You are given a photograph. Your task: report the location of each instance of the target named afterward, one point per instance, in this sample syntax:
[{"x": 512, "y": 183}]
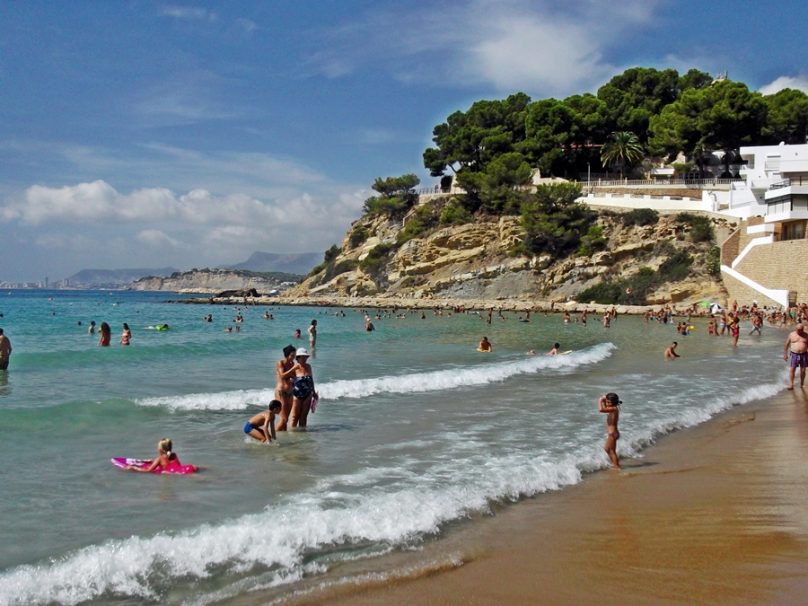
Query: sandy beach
[{"x": 716, "y": 514}]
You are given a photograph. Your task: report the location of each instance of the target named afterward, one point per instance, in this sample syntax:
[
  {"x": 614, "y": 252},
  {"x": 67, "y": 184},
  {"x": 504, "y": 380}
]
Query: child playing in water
[
  {"x": 262, "y": 426},
  {"x": 167, "y": 459}
]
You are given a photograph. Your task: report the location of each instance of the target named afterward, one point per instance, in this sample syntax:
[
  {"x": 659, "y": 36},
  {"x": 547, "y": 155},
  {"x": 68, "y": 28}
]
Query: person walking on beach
[
  {"x": 795, "y": 353},
  {"x": 5, "y": 350},
  {"x": 283, "y": 384},
  {"x": 670, "y": 352},
  {"x": 609, "y": 405}
]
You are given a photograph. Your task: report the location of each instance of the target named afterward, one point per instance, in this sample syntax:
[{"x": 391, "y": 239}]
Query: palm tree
[{"x": 622, "y": 148}]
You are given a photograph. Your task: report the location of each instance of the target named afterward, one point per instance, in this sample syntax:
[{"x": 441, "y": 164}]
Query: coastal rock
[{"x": 479, "y": 261}]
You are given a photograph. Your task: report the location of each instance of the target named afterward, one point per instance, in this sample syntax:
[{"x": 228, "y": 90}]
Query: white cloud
[
  {"x": 544, "y": 46},
  {"x": 158, "y": 238},
  {"x": 187, "y": 13},
  {"x": 797, "y": 83}
]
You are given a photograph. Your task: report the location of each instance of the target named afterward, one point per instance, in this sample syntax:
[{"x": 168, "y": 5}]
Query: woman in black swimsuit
[{"x": 302, "y": 389}]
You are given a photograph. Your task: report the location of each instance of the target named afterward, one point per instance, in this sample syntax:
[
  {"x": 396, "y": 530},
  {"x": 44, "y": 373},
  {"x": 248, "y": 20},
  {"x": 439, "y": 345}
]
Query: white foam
[
  {"x": 410, "y": 383},
  {"x": 395, "y": 512}
]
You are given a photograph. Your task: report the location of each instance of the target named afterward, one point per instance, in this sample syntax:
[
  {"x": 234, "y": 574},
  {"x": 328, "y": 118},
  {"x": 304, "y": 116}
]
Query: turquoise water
[{"x": 415, "y": 430}]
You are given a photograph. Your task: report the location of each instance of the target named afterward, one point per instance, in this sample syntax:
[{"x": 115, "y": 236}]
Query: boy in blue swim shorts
[{"x": 262, "y": 426}]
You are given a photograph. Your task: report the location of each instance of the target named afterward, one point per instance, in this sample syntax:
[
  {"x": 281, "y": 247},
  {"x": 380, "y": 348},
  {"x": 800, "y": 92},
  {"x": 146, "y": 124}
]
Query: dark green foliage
[
  {"x": 397, "y": 195},
  {"x": 713, "y": 261},
  {"x": 418, "y": 223},
  {"x": 787, "y": 118},
  {"x": 496, "y": 188},
  {"x": 376, "y": 258},
  {"x": 722, "y": 116},
  {"x": 592, "y": 241},
  {"x": 554, "y": 221},
  {"x": 701, "y": 228},
  {"x": 454, "y": 213},
  {"x": 358, "y": 236},
  {"x": 331, "y": 253},
  {"x": 634, "y": 290},
  {"x": 675, "y": 267},
  {"x": 640, "y": 216},
  {"x": 603, "y": 292}
]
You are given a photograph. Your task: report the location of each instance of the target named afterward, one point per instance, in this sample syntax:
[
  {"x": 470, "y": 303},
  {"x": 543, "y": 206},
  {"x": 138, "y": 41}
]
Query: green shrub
[
  {"x": 342, "y": 267},
  {"x": 418, "y": 223},
  {"x": 714, "y": 261},
  {"x": 358, "y": 236},
  {"x": 675, "y": 267},
  {"x": 640, "y": 216},
  {"x": 454, "y": 213},
  {"x": 376, "y": 258},
  {"x": 701, "y": 228},
  {"x": 592, "y": 241},
  {"x": 604, "y": 292}
]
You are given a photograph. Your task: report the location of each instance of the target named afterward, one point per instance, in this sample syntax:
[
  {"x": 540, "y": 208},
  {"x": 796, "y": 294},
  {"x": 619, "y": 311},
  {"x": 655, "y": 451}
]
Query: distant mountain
[
  {"x": 113, "y": 278},
  {"x": 300, "y": 263}
]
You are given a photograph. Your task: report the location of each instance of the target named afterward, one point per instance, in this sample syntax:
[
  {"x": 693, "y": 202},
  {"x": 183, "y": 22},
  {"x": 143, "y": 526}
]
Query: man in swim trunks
[
  {"x": 609, "y": 404},
  {"x": 795, "y": 353},
  {"x": 262, "y": 426},
  {"x": 5, "y": 351}
]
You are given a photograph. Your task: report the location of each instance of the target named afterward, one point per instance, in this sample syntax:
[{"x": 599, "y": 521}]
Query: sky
[{"x": 190, "y": 134}]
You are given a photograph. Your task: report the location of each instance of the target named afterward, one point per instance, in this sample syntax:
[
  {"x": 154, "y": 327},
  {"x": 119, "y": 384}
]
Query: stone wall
[
  {"x": 780, "y": 265},
  {"x": 744, "y": 295}
]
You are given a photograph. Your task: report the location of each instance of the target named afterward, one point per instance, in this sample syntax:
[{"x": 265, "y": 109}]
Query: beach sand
[{"x": 717, "y": 514}]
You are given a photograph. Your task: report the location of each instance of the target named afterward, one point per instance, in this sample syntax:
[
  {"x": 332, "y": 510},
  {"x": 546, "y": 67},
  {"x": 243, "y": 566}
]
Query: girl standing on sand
[{"x": 283, "y": 385}]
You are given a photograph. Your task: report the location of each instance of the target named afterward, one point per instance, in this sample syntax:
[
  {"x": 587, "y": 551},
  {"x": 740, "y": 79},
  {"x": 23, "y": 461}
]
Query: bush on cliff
[
  {"x": 553, "y": 221},
  {"x": 396, "y": 195},
  {"x": 701, "y": 229}
]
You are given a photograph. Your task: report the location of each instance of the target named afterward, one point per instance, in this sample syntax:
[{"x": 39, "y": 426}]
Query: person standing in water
[
  {"x": 5, "y": 350},
  {"x": 313, "y": 334},
  {"x": 126, "y": 335},
  {"x": 609, "y": 404},
  {"x": 106, "y": 335},
  {"x": 670, "y": 352},
  {"x": 283, "y": 385},
  {"x": 302, "y": 388},
  {"x": 485, "y": 345}
]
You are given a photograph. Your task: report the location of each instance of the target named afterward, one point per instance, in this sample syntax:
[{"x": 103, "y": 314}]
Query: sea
[{"x": 416, "y": 436}]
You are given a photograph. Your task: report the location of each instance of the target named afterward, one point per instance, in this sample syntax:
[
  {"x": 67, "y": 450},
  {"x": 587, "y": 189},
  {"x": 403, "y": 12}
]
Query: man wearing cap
[
  {"x": 795, "y": 353},
  {"x": 609, "y": 404}
]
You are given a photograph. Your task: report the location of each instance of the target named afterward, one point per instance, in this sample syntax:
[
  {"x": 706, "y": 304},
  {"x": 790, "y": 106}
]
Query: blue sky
[{"x": 145, "y": 134}]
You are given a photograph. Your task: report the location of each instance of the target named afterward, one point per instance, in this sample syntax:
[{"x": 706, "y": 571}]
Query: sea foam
[
  {"x": 418, "y": 382},
  {"x": 275, "y": 546}
]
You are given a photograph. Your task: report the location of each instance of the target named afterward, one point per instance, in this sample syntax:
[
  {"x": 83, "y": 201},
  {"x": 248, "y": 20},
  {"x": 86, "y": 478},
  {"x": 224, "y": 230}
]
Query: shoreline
[
  {"x": 404, "y": 303},
  {"x": 712, "y": 514}
]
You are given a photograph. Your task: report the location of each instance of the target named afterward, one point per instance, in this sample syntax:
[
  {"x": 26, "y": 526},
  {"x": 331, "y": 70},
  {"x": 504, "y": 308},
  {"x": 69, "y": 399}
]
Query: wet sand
[{"x": 717, "y": 514}]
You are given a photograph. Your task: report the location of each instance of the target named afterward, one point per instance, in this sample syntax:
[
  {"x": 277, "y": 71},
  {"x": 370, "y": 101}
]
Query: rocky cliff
[
  {"x": 477, "y": 261},
  {"x": 216, "y": 280}
]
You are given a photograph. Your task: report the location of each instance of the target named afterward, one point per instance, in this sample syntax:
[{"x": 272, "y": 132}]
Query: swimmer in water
[
  {"x": 485, "y": 345},
  {"x": 670, "y": 352},
  {"x": 554, "y": 351}
]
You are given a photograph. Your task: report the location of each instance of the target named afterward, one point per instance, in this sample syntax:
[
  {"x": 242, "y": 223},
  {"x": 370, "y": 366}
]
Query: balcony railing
[{"x": 781, "y": 184}]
